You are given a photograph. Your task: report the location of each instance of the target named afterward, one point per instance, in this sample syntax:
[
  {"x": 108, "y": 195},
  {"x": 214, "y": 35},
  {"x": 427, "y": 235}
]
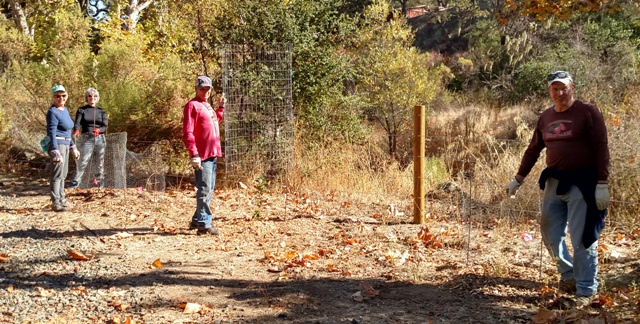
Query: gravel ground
[
  {"x": 296, "y": 258},
  {"x": 41, "y": 279}
]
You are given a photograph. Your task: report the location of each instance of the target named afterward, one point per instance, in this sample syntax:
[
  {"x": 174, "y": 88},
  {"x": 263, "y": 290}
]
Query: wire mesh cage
[
  {"x": 146, "y": 170},
  {"x": 114, "y": 164},
  {"x": 124, "y": 168},
  {"x": 258, "y": 121}
]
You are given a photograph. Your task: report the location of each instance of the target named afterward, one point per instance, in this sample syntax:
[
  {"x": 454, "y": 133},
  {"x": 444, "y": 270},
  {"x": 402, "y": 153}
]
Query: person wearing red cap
[
  {"x": 576, "y": 194},
  {"x": 201, "y": 137}
]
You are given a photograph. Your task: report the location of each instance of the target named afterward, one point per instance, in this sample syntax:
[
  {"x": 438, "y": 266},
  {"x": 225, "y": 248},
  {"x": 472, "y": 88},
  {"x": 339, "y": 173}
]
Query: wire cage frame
[
  {"x": 114, "y": 162},
  {"x": 258, "y": 120},
  {"x": 124, "y": 168}
]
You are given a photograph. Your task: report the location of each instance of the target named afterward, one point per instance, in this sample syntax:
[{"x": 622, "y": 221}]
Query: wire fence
[
  {"x": 123, "y": 168},
  {"x": 470, "y": 201},
  {"x": 478, "y": 178},
  {"x": 258, "y": 121}
]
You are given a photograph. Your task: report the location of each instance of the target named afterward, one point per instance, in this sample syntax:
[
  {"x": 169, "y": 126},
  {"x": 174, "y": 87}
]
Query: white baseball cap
[{"x": 559, "y": 76}]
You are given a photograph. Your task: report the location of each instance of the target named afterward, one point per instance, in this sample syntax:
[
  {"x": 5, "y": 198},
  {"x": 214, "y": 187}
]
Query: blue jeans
[
  {"x": 557, "y": 212},
  {"x": 90, "y": 144},
  {"x": 58, "y": 174},
  {"x": 205, "y": 183}
]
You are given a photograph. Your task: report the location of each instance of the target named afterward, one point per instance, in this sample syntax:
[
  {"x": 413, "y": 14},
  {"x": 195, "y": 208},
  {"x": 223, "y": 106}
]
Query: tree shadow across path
[{"x": 313, "y": 300}]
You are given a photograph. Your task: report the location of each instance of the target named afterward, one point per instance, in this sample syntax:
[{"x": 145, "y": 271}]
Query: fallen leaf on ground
[
  {"x": 204, "y": 310},
  {"x": 310, "y": 256},
  {"x": 157, "y": 264},
  {"x": 544, "y": 316},
  {"x": 369, "y": 291},
  {"x": 79, "y": 290},
  {"x": 4, "y": 257},
  {"x": 41, "y": 292},
  {"x": 116, "y": 320},
  {"x": 605, "y": 300},
  {"x": 119, "y": 305},
  {"x": 323, "y": 252},
  {"x": 191, "y": 308},
  {"x": 121, "y": 235},
  {"x": 350, "y": 241},
  {"x": 602, "y": 247},
  {"x": 397, "y": 257},
  {"x": 78, "y": 256},
  {"x": 290, "y": 255},
  {"x": 332, "y": 268}
]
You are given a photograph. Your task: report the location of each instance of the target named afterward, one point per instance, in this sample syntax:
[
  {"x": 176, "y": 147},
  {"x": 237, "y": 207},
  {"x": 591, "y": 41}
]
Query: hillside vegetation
[{"x": 480, "y": 70}]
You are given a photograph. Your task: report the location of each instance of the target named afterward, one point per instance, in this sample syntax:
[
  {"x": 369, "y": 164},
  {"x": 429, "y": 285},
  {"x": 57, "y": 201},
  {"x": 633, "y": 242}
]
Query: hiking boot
[
  {"x": 567, "y": 286},
  {"x": 65, "y": 203},
  {"x": 584, "y": 301},
  {"x": 193, "y": 226},
  {"x": 58, "y": 208},
  {"x": 208, "y": 231}
]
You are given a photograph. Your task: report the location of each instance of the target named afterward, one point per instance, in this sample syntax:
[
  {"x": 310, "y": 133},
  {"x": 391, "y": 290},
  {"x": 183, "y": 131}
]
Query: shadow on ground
[{"x": 326, "y": 300}]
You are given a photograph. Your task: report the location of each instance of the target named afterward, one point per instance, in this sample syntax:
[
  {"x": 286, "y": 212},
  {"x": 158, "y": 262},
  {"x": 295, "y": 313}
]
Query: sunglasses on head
[{"x": 558, "y": 75}]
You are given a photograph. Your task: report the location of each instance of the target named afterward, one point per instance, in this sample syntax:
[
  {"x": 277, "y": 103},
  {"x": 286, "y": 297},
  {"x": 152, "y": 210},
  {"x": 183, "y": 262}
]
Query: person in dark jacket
[
  {"x": 576, "y": 193},
  {"x": 91, "y": 125},
  {"x": 60, "y": 147}
]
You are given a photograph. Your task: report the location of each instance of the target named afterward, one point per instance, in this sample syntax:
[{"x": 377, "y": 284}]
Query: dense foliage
[{"x": 353, "y": 62}]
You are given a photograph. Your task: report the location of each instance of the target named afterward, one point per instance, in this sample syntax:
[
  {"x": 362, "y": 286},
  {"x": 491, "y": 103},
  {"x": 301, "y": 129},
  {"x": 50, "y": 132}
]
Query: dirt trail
[{"x": 300, "y": 258}]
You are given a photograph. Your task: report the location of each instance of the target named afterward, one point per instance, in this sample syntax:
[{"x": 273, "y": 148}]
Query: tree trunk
[
  {"x": 203, "y": 57},
  {"x": 394, "y": 147},
  {"x": 392, "y": 137},
  {"x": 19, "y": 18},
  {"x": 132, "y": 11},
  {"x": 390, "y": 140}
]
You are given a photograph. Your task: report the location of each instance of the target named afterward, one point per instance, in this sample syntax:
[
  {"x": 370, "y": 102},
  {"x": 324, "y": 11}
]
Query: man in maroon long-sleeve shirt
[
  {"x": 201, "y": 136},
  {"x": 574, "y": 182}
]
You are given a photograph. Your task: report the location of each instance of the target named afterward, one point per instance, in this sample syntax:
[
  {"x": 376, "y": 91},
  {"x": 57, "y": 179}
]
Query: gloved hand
[
  {"x": 96, "y": 131},
  {"x": 56, "y": 156},
  {"x": 513, "y": 186},
  {"x": 75, "y": 152},
  {"x": 602, "y": 196},
  {"x": 223, "y": 101},
  {"x": 196, "y": 163}
]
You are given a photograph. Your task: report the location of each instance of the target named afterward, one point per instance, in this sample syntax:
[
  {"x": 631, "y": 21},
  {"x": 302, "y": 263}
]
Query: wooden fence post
[{"x": 418, "y": 163}]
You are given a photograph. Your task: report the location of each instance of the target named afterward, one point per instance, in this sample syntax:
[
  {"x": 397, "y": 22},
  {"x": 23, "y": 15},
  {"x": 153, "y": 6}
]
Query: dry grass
[
  {"x": 479, "y": 150},
  {"x": 624, "y": 181},
  {"x": 359, "y": 169}
]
